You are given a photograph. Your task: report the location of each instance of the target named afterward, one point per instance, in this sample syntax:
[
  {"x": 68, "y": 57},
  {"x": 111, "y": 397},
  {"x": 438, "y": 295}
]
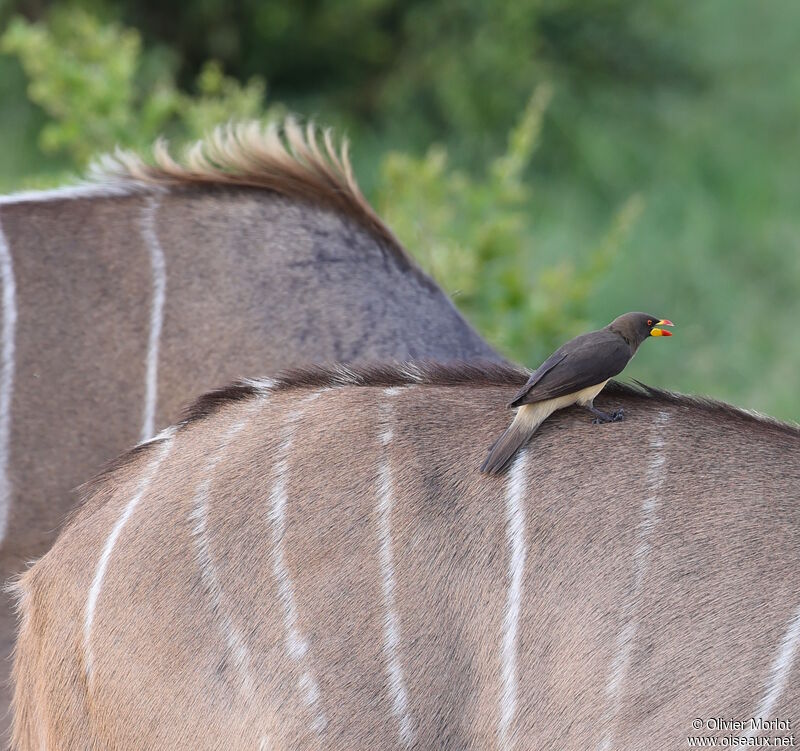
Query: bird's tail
[{"x": 528, "y": 418}]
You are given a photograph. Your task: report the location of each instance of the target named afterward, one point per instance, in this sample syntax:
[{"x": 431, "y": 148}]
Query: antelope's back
[
  {"x": 124, "y": 300},
  {"x": 322, "y": 566},
  {"x": 231, "y": 583}
]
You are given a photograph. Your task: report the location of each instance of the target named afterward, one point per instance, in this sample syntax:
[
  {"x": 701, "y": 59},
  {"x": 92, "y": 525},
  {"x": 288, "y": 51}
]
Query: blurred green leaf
[
  {"x": 653, "y": 169},
  {"x": 92, "y": 80},
  {"x": 476, "y": 237}
]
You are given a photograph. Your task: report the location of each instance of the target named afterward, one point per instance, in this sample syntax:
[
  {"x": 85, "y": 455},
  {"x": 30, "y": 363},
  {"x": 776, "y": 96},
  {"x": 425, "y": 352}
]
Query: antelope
[
  {"x": 315, "y": 562},
  {"x": 126, "y": 297}
]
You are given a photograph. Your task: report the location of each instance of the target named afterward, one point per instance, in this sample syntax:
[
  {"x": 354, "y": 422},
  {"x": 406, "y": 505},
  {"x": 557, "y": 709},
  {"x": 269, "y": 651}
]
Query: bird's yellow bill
[{"x": 661, "y": 332}]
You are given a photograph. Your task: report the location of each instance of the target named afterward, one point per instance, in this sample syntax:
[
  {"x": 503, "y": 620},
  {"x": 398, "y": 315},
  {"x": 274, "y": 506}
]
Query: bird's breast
[{"x": 585, "y": 396}]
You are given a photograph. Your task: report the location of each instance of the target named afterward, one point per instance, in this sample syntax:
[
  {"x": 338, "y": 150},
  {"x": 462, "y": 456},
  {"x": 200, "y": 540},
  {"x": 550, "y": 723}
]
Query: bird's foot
[{"x": 603, "y": 417}]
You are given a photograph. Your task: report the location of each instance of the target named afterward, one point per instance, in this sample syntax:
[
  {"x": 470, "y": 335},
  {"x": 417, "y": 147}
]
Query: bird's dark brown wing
[
  {"x": 538, "y": 374},
  {"x": 585, "y": 361}
]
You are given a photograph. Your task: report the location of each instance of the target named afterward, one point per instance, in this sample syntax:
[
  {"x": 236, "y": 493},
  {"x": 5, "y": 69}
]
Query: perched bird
[{"x": 574, "y": 374}]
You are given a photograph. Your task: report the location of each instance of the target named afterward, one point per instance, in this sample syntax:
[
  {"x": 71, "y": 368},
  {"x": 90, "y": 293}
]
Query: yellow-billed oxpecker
[{"x": 574, "y": 374}]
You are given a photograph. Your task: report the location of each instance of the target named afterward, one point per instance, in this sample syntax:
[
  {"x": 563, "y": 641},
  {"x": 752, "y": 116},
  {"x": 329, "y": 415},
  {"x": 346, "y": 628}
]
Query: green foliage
[
  {"x": 219, "y": 99},
  {"x": 82, "y": 74},
  {"x": 99, "y": 91},
  {"x": 652, "y": 169},
  {"x": 475, "y": 235},
  {"x": 303, "y": 45}
]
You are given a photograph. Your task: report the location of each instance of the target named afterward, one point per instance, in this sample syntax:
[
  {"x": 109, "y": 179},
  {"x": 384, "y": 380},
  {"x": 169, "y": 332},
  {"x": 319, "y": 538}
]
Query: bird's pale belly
[
  {"x": 532, "y": 415},
  {"x": 582, "y": 397},
  {"x": 585, "y": 396}
]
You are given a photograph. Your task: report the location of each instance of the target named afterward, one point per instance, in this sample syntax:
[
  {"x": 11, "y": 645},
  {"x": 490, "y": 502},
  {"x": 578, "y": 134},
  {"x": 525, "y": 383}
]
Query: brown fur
[
  {"x": 281, "y": 157},
  {"x": 294, "y": 269},
  {"x": 710, "y": 607}
]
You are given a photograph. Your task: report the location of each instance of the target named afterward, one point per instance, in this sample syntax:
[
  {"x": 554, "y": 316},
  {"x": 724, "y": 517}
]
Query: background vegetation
[{"x": 552, "y": 162}]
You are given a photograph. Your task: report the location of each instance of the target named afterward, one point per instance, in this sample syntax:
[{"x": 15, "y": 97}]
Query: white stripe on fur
[
  {"x": 6, "y": 377},
  {"x": 159, "y": 455},
  {"x": 107, "y": 189},
  {"x": 158, "y": 269},
  {"x": 263, "y": 386},
  {"x": 641, "y": 560},
  {"x": 391, "y": 622},
  {"x": 779, "y": 672},
  {"x": 220, "y": 610},
  {"x": 296, "y": 643},
  {"x": 515, "y": 537}
]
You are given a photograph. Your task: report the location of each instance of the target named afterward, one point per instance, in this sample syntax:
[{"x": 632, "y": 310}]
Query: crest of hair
[{"x": 293, "y": 161}]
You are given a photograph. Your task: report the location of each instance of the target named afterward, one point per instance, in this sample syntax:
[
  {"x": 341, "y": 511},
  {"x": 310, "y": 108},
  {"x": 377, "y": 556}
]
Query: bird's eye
[{"x": 649, "y": 323}]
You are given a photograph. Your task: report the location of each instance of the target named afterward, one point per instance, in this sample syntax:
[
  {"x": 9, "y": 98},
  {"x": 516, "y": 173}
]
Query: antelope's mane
[
  {"x": 460, "y": 373},
  {"x": 296, "y": 162},
  {"x": 456, "y": 373},
  {"x": 470, "y": 375}
]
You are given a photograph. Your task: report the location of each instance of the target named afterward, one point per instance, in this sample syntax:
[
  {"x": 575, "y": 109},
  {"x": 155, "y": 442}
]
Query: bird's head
[{"x": 636, "y": 327}]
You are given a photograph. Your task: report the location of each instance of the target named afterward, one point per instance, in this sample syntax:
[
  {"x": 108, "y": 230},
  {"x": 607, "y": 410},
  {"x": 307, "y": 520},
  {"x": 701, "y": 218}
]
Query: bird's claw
[{"x": 603, "y": 418}]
